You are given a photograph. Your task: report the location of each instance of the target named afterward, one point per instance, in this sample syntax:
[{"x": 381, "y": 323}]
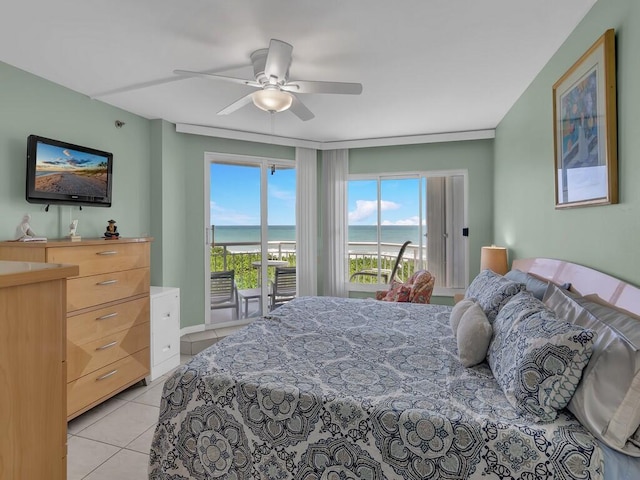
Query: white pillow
[
  {"x": 607, "y": 400},
  {"x": 457, "y": 312},
  {"x": 474, "y": 335}
]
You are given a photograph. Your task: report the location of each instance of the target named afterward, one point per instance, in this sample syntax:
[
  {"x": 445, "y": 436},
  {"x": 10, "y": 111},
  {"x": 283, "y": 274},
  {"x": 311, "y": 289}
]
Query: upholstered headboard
[{"x": 585, "y": 281}]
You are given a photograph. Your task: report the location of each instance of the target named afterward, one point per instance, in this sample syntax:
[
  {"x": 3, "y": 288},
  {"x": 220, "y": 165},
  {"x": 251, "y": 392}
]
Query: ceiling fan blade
[
  {"x": 278, "y": 60},
  {"x": 236, "y": 105},
  {"x": 300, "y": 110},
  {"x": 308, "y": 86},
  {"x": 212, "y": 76}
]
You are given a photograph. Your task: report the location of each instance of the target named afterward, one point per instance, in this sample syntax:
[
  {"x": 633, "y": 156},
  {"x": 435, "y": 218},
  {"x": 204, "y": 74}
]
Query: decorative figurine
[
  {"x": 73, "y": 228},
  {"x": 24, "y": 229},
  {"x": 112, "y": 231}
]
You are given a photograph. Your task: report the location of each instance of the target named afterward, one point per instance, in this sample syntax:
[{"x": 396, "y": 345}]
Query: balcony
[{"x": 241, "y": 256}]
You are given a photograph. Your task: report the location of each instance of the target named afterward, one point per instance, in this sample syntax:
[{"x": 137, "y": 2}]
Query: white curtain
[
  {"x": 445, "y": 221},
  {"x": 335, "y": 165},
  {"x": 436, "y": 229},
  {"x": 307, "y": 221}
]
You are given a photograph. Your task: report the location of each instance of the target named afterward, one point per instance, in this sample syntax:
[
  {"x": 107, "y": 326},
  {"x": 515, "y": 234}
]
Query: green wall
[
  {"x": 158, "y": 187},
  {"x": 178, "y": 211},
  {"x": 475, "y": 156},
  {"x": 32, "y": 105},
  {"x": 603, "y": 237}
]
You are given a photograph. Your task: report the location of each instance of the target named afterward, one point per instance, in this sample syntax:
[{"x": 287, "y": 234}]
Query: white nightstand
[{"x": 165, "y": 330}]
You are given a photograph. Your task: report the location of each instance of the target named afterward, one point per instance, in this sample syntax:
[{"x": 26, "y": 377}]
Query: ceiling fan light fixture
[{"x": 272, "y": 100}]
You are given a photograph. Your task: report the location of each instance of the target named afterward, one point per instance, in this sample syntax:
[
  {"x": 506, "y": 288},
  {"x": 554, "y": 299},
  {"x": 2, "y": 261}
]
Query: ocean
[{"x": 394, "y": 234}]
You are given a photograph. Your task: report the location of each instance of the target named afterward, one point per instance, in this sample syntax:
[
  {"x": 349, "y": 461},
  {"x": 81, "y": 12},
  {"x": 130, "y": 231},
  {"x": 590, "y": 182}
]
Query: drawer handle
[
  {"x": 167, "y": 348},
  {"x": 110, "y": 315},
  {"x": 108, "y": 345},
  {"x": 107, "y": 252},
  {"x": 107, "y": 282},
  {"x": 107, "y": 375}
]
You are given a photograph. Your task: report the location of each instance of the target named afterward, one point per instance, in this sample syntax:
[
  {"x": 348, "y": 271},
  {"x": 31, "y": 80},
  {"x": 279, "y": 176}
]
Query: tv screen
[{"x": 63, "y": 173}]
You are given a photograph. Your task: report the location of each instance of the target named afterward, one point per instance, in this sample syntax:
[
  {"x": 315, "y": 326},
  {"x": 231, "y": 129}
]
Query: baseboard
[{"x": 192, "y": 329}]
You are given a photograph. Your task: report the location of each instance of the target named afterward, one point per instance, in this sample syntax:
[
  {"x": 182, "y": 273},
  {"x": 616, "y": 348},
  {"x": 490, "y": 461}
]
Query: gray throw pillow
[
  {"x": 607, "y": 401},
  {"x": 474, "y": 335},
  {"x": 456, "y": 314}
]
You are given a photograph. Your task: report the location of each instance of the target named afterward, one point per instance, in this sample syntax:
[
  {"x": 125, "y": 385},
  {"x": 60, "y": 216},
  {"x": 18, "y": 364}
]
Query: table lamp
[{"x": 495, "y": 259}]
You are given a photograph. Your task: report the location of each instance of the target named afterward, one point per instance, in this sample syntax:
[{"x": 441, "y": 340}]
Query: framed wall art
[{"x": 584, "y": 129}]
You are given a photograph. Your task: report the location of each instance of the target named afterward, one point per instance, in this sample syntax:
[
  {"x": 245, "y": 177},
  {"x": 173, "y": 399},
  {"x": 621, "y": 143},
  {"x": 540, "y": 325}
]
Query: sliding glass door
[
  {"x": 251, "y": 214},
  {"x": 427, "y": 209}
]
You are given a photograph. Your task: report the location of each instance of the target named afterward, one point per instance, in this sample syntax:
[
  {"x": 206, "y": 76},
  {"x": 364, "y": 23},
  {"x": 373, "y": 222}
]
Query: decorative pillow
[
  {"x": 519, "y": 307},
  {"x": 399, "y": 293},
  {"x": 522, "y": 305},
  {"x": 533, "y": 284},
  {"x": 538, "y": 360},
  {"x": 492, "y": 292},
  {"x": 456, "y": 314},
  {"x": 474, "y": 335},
  {"x": 607, "y": 401},
  {"x": 422, "y": 287}
]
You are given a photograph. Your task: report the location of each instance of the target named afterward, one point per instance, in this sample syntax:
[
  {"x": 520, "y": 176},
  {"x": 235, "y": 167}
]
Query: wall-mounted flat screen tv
[{"x": 63, "y": 173}]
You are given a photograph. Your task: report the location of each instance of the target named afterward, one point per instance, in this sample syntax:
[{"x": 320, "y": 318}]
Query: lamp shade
[
  {"x": 272, "y": 100},
  {"x": 495, "y": 259}
]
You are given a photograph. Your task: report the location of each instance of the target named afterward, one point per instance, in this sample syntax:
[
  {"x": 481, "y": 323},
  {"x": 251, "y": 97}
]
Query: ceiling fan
[{"x": 276, "y": 92}]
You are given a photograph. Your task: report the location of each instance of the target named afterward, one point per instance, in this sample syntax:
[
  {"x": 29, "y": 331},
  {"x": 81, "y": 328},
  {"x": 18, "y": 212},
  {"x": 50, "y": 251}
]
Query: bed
[{"x": 337, "y": 388}]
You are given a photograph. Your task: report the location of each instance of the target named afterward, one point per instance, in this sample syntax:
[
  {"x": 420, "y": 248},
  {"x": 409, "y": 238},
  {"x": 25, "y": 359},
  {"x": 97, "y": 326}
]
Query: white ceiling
[{"x": 426, "y": 66}]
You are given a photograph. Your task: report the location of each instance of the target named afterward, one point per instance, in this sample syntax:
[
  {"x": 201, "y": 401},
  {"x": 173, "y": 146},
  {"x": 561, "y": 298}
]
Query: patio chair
[
  {"x": 224, "y": 293},
  {"x": 284, "y": 287},
  {"x": 388, "y": 275}
]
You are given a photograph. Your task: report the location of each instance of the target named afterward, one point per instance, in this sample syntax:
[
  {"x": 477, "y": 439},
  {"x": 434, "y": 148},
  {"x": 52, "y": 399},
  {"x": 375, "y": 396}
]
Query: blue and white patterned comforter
[{"x": 331, "y": 388}]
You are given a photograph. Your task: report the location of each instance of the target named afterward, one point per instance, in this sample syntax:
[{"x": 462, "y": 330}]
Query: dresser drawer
[
  {"x": 97, "y": 259},
  {"x": 83, "y": 359},
  {"x": 97, "y": 386},
  {"x": 99, "y": 323},
  {"x": 83, "y": 292}
]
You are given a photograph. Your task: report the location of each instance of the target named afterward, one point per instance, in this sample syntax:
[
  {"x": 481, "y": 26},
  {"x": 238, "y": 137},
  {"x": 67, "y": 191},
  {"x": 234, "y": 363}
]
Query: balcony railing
[{"x": 241, "y": 256}]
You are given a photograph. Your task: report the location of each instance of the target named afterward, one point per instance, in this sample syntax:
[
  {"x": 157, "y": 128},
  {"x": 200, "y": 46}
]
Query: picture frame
[{"x": 585, "y": 129}]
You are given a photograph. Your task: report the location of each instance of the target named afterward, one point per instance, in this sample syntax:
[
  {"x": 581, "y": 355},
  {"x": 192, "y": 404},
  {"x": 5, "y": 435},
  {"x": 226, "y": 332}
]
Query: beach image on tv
[{"x": 70, "y": 172}]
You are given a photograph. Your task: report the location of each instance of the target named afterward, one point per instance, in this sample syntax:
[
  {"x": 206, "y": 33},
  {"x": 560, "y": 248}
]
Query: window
[{"x": 386, "y": 210}]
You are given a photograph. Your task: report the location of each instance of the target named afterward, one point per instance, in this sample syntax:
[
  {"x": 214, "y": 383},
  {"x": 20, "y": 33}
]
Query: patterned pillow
[
  {"x": 422, "y": 287},
  {"x": 519, "y": 307},
  {"x": 492, "y": 292},
  {"x": 399, "y": 292},
  {"x": 538, "y": 359}
]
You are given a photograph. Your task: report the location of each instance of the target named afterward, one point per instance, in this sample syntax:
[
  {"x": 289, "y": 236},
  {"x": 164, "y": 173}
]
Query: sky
[
  {"x": 235, "y": 195},
  {"x": 52, "y": 156},
  {"x": 235, "y": 198}
]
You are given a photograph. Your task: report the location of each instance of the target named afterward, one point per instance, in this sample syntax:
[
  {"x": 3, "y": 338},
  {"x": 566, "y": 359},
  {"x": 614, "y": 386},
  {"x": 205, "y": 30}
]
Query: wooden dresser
[
  {"x": 108, "y": 331},
  {"x": 33, "y": 418}
]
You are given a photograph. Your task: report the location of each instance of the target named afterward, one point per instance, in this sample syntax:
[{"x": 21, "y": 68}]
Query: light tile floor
[{"x": 112, "y": 440}]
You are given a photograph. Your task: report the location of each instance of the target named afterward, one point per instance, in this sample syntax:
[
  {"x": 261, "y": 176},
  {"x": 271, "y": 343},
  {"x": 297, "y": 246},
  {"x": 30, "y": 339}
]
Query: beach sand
[{"x": 73, "y": 184}]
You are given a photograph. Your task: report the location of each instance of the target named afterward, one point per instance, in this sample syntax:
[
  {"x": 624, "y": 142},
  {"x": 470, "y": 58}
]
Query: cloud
[
  {"x": 367, "y": 208},
  {"x": 286, "y": 195},
  {"x": 78, "y": 162},
  {"x": 407, "y": 221},
  {"x": 224, "y": 216},
  {"x": 66, "y": 152}
]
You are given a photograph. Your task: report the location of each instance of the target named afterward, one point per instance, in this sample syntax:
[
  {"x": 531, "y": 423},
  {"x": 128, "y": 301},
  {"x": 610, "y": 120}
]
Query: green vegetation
[{"x": 246, "y": 274}]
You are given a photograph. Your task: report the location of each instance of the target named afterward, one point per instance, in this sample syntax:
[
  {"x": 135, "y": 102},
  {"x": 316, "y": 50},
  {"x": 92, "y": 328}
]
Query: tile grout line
[{"x": 159, "y": 381}]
